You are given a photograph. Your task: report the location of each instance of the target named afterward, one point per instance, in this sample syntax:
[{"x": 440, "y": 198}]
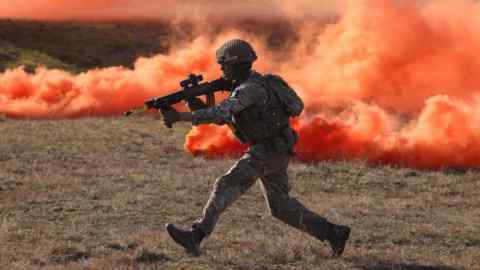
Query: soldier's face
[{"x": 228, "y": 71}]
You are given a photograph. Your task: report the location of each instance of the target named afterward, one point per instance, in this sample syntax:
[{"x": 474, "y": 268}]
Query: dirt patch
[{"x": 66, "y": 255}]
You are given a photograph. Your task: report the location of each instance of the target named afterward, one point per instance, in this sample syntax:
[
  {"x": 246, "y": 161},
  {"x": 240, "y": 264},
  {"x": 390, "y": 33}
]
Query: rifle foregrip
[{"x": 211, "y": 99}]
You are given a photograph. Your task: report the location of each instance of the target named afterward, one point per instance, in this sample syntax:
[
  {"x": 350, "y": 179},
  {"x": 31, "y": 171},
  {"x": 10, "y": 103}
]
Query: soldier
[{"x": 258, "y": 118}]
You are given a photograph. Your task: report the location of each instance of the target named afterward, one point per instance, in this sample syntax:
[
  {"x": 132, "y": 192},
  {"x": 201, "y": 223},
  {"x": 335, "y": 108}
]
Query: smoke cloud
[
  {"x": 389, "y": 82},
  {"x": 162, "y": 9}
]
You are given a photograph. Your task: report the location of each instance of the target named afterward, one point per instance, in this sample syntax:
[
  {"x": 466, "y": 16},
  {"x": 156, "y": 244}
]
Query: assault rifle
[{"x": 190, "y": 89}]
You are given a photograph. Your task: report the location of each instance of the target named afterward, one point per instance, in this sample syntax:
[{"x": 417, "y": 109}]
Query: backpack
[{"x": 291, "y": 102}]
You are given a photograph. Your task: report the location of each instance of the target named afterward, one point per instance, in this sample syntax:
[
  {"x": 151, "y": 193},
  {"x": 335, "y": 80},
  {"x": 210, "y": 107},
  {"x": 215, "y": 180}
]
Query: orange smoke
[
  {"x": 212, "y": 141},
  {"x": 101, "y": 92},
  {"x": 161, "y": 9},
  {"x": 390, "y": 82},
  {"x": 393, "y": 82},
  {"x": 58, "y": 9}
]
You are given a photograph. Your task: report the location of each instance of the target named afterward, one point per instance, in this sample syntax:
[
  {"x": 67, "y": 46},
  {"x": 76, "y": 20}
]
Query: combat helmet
[{"x": 236, "y": 51}]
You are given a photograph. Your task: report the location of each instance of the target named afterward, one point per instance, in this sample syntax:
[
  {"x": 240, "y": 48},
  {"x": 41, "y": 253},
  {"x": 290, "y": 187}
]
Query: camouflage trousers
[{"x": 271, "y": 168}]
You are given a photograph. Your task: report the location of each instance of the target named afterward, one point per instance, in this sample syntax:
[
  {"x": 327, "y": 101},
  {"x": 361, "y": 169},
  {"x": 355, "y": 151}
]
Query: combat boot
[
  {"x": 189, "y": 239},
  {"x": 338, "y": 239}
]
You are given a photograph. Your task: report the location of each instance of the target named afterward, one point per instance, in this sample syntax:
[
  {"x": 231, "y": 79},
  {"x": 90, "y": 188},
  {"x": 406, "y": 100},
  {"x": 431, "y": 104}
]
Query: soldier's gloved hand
[
  {"x": 170, "y": 116},
  {"x": 195, "y": 104}
]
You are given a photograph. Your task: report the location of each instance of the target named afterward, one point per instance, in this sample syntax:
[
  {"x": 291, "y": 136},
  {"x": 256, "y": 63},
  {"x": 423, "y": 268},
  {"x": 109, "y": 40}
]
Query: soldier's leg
[
  {"x": 226, "y": 190},
  {"x": 291, "y": 211},
  {"x": 288, "y": 209}
]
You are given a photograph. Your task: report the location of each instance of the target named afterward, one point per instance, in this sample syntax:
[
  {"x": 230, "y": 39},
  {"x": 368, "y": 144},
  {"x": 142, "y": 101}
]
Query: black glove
[
  {"x": 170, "y": 116},
  {"x": 195, "y": 104}
]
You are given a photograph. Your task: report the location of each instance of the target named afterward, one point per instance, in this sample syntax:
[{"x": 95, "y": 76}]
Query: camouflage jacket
[
  {"x": 251, "y": 111},
  {"x": 245, "y": 95}
]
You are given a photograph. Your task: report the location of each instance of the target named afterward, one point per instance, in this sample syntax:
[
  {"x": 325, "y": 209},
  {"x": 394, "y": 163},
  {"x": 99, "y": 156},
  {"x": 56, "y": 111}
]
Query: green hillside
[
  {"x": 11, "y": 57},
  {"x": 78, "y": 46}
]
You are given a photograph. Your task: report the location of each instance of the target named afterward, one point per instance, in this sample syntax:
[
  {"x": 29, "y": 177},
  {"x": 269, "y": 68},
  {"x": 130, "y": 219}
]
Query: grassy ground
[{"x": 95, "y": 194}]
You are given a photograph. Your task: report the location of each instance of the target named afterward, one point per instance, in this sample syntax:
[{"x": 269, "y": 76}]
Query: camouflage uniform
[
  {"x": 258, "y": 115},
  {"x": 264, "y": 159}
]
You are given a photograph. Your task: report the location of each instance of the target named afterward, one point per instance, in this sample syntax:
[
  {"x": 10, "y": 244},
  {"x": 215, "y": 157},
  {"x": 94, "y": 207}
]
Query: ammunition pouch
[
  {"x": 284, "y": 142},
  {"x": 258, "y": 124},
  {"x": 266, "y": 122}
]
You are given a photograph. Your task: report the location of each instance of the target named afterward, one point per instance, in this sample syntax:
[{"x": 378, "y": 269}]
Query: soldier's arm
[{"x": 239, "y": 100}]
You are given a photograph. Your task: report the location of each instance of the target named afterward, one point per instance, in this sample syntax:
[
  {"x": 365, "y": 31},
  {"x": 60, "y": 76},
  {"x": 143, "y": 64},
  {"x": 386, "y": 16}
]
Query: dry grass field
[{"x": 95, "y": 194}]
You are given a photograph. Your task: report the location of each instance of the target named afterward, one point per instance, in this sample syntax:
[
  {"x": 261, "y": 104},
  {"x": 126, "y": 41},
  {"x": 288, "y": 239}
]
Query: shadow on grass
[
  {"x": 148, "y": 257},
  {"x": 376, "y": 264}
]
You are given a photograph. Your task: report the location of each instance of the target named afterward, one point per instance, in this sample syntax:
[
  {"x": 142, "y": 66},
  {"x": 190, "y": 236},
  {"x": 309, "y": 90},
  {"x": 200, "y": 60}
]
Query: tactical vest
[{"x": 267, "y": 119}]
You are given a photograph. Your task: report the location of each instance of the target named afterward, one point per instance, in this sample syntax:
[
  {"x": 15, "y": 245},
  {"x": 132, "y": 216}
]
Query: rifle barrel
[{"x": 206, "y": 88}]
